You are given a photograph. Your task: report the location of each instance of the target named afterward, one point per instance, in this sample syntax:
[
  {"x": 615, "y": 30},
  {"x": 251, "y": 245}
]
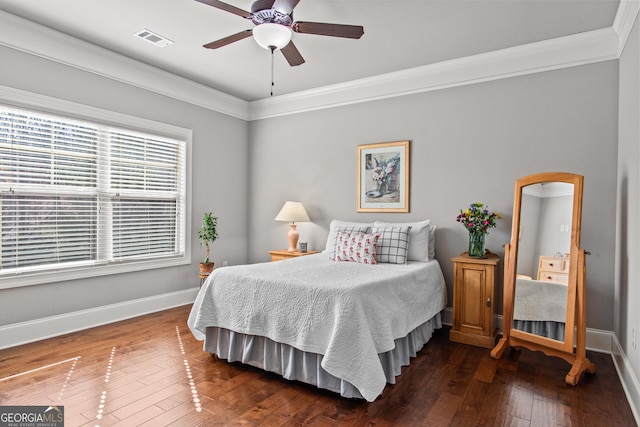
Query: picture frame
[{"x": 383, "y": 177}]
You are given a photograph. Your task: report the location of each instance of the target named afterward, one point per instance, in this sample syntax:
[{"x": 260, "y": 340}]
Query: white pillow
[
  {"x": 432, "y": 242},
  {"x": 337, "y": 225},
  {"x": 393, "y": 244},
  {"x": 418, "y": 238},
  {"x": 356, "y": 247}
]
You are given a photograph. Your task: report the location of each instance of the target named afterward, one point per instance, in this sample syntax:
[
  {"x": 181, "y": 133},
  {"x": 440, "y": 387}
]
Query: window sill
[{"x": 67, "y": 274}]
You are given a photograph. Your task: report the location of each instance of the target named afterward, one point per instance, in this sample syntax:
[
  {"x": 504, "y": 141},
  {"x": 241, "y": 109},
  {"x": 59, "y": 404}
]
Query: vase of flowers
[
  {"x": 477, "y": 220},
  {"x": 476, "y": 245}
]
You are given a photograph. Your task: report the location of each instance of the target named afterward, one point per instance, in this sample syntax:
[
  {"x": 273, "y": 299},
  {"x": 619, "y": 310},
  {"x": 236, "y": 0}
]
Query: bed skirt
[
  {"x": 298, "y": 365},
  {"x": 549, "y": 329}
]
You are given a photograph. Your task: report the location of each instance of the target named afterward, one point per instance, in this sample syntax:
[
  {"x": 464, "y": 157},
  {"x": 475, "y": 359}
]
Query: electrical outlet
[
  {"x": 225, "y": 263},
  {"x": 633, "y": 339}
]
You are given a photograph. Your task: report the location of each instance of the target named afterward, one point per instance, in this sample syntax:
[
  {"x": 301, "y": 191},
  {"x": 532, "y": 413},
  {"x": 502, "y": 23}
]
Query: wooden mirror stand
[{"x": 535, "y": 314}]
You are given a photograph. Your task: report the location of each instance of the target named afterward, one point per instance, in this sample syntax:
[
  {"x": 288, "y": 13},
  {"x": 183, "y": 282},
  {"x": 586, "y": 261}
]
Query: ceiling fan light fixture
[{"x": 270, "y": 34}]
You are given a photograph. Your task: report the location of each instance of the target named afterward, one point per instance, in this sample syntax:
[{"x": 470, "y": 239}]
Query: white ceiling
[{"x": 398, "y": 35}]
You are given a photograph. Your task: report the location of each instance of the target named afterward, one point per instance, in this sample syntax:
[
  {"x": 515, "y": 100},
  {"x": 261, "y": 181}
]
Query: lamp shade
[
  {"x": 270, "y": 34},
  {"x": 292, "y": 212}
]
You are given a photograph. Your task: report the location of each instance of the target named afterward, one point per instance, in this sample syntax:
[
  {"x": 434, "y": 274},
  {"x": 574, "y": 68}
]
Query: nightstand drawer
[
  {"x": 552, "y": 264},
  {"x": 549, "y": 276}
]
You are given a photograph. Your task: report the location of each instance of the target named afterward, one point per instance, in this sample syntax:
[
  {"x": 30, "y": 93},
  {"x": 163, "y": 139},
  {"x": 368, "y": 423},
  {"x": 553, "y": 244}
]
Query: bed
[
  {"x": 540, "y": 308},
  {"x": 343, "y": 326}
]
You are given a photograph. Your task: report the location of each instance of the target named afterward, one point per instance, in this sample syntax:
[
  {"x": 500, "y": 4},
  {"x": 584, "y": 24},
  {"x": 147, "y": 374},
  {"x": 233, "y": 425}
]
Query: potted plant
[{"x": 207, "y": 234}]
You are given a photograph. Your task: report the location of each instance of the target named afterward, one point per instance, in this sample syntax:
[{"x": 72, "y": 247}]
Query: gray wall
[
  {"x": 468, "y": 144},
  {"x": 628, "y": 230},
  {"x": 554, "y": 212},
  {"x": 220, "y": 145}
]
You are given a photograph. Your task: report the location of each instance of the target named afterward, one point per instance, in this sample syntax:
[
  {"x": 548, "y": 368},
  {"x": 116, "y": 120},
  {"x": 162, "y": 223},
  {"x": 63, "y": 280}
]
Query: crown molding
[
  {"x": 569, "y": 51},
  {"x": 625, "y": 18},
  {"x": 26, "y": 36}
]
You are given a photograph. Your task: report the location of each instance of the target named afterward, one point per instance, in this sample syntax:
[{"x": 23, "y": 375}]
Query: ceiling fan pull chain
[{"x": 272, "y": 83}]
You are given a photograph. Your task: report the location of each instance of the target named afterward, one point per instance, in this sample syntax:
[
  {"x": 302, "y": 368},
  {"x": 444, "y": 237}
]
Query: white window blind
[{"x": 75, "y": 193}]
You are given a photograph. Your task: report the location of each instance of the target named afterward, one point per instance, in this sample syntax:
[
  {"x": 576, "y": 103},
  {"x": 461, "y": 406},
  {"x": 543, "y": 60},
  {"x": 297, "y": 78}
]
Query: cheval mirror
[{"x": 544, "y": 272}]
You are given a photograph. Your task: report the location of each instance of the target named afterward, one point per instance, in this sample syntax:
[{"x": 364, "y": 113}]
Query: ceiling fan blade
[
  {"x": 229, "y": 39},
  {"x": 227, "y": 7},
  {"x": 285, "y": 6},
  {"x": 334, "y": 30},
  {"x": 292, "y": 55}
]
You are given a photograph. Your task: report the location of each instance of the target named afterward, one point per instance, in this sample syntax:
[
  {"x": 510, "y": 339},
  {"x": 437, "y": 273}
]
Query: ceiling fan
[{"x": 274, "y": 26}]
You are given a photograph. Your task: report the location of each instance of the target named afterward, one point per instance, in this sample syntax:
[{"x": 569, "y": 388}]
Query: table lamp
[{"x": 292, "y": 212}]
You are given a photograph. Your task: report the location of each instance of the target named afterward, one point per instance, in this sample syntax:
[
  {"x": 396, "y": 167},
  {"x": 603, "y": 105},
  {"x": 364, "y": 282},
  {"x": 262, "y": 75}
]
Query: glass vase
[{"x": 476, "y": 245}]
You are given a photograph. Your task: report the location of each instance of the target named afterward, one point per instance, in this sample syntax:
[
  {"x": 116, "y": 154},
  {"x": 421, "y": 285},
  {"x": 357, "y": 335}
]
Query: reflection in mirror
[{"x": 541, "y": 290}]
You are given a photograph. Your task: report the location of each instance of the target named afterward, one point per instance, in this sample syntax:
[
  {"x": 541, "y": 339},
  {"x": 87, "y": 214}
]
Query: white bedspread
[
  {"x": 539, "y": 300},
  {"x": 346, "y": 311}
]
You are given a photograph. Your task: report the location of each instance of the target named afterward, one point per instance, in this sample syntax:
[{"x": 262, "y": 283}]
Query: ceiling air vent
[{"x": 154, "y": 38}]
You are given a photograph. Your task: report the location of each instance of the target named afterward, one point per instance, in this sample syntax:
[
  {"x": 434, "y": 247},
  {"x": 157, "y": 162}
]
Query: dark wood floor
[{"x": 151, "y": 371}]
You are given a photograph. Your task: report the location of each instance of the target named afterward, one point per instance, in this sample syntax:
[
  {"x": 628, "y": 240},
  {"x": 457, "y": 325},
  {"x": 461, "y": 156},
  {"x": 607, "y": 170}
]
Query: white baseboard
[
  {"x": 39, "y": 329},
  {"x": 627, "y": 377}
]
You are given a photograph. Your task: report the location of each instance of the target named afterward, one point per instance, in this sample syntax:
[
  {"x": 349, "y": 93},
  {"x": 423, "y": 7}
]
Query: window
[{"x": 76, "y": 194}]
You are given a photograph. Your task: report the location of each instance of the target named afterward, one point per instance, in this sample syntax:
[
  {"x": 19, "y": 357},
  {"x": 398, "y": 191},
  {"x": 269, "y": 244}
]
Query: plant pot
[{"x": 206, "y": 268}]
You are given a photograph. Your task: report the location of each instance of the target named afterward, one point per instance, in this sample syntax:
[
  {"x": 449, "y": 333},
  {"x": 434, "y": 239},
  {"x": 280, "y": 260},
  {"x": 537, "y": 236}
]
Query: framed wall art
[{"x": 383, "y": 177}]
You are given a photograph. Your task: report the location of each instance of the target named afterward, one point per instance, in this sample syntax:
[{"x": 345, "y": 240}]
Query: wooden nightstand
[
  {"x": 202, "y": 278},
  {"x": 473, "y": 294},
  {"x": 280, "y": 254}
]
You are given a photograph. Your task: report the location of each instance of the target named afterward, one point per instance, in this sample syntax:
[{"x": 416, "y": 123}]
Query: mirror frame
[{"x": 575, "y": 311}]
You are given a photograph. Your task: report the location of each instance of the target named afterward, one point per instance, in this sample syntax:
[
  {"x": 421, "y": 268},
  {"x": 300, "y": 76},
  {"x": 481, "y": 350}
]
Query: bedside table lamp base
[{"x": 293, "y": 238}]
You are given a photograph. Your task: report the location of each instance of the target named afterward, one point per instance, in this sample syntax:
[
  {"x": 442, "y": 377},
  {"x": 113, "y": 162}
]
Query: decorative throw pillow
[
  {"x": 356, "y": 247},
  {"x": 419, "y": 242},
  {"x": 336, "y": 226},
  {"x": 393, "y": 244}
]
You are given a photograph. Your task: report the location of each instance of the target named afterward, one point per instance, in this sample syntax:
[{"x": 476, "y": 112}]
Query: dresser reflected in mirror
[{"x": 544, "y": 282}]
